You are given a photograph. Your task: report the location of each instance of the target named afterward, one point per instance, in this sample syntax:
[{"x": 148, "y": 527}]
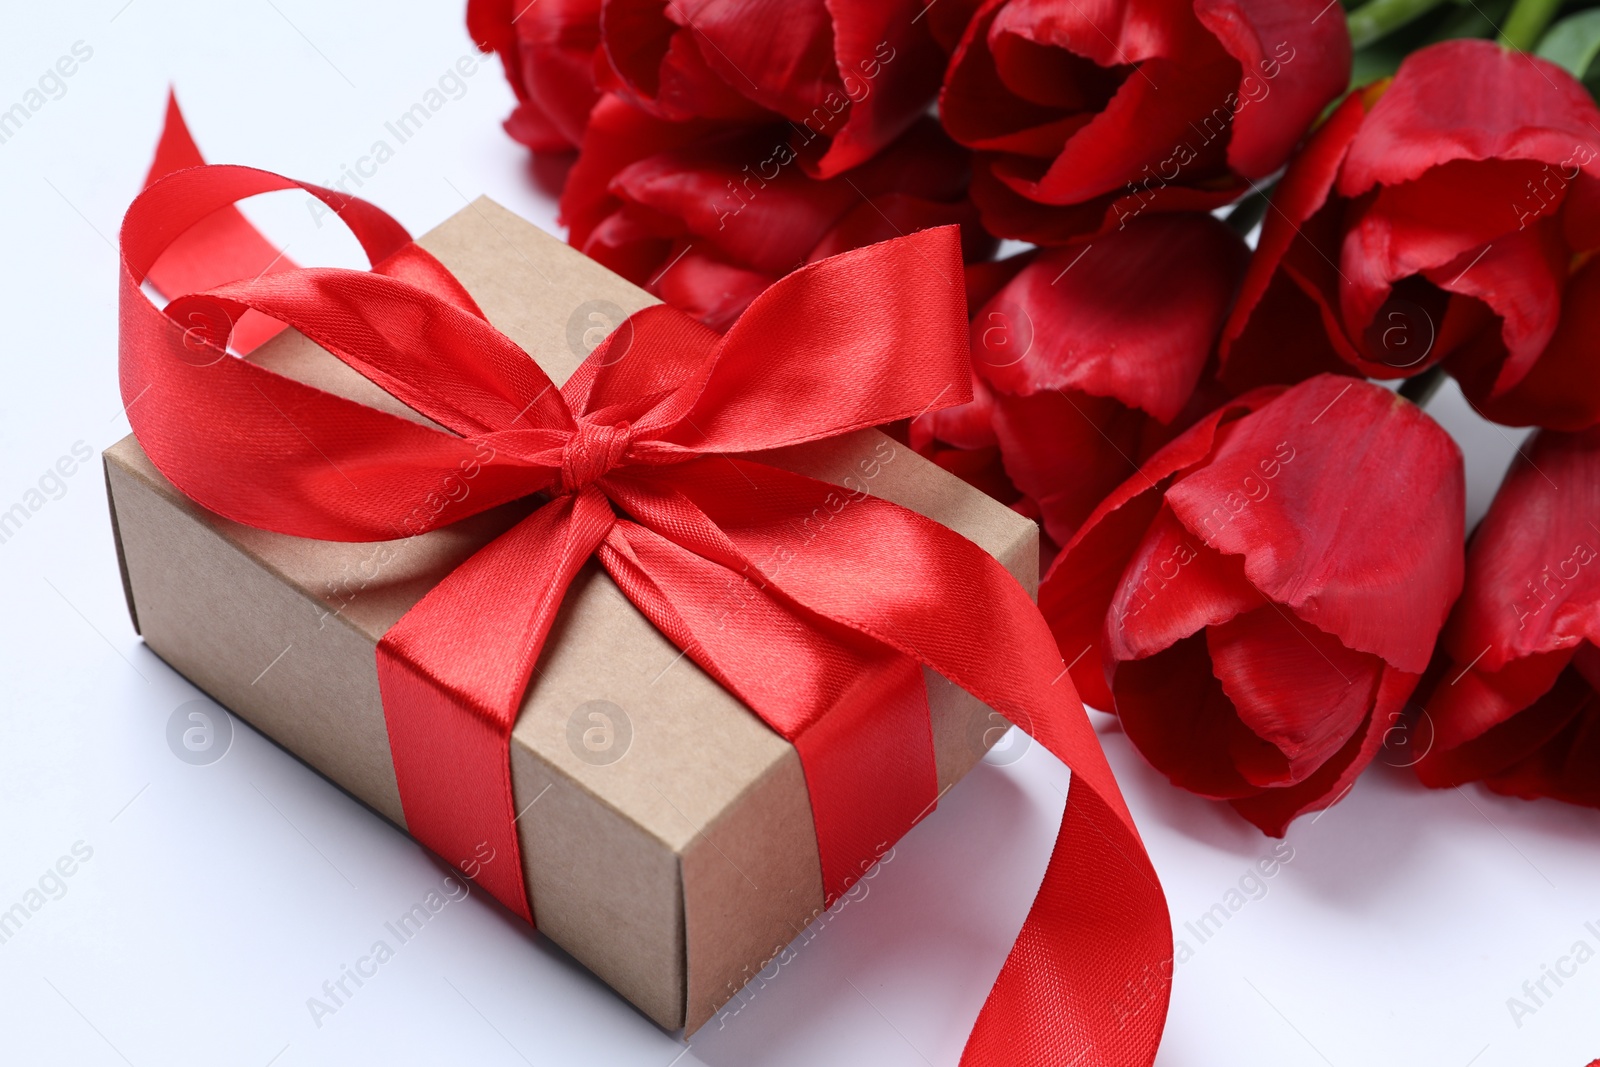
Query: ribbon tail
[
  {"x": 1088, "y": 981},
  {"x": 453, "y": 672},
  {"x": 855, "y": 710}
]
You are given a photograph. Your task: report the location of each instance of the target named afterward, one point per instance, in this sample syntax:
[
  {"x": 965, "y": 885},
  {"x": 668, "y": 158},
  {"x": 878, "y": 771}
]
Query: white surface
[{"x": 219, "y": 898}]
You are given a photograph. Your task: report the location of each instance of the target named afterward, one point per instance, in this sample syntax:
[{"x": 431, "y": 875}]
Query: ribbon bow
[{"x": 816, "y": 605}]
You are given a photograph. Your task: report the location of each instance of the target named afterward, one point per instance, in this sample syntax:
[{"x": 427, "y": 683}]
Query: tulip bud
[
  {"x": 1259, "y": 600},
  {"x": 1517, "y": 705},
  {"x": 1088, "y": 119},
  {"x": 1449, "y": 218},
  {"x": 1089, "y": 358}
]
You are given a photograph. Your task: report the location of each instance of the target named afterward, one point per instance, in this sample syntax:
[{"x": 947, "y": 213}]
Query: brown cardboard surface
[{"x": 673, "y": 872}]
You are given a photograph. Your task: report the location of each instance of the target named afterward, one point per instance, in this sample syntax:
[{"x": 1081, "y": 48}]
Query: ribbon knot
[{"x": 592, "y": 452}]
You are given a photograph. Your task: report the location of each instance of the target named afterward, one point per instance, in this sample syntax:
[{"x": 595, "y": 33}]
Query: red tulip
[
  {"x": 548, "y": 51},
  {"x": 947, "y": 20},
  {"x": 1087, "y": 115},
  {"x": 706, "y": 217},
  {"x": 1518, "y": 705},
  {"x": 1086, "y": 361},
  {"x": 1259, "y": 600},
  {"x": 848, "y": 77},
  {"x": 1449, "y": 217}
]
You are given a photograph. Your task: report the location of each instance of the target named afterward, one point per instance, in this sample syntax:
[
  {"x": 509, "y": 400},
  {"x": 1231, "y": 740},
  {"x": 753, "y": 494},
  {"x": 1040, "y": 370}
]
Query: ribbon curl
[{"x": 639, "y": 459}]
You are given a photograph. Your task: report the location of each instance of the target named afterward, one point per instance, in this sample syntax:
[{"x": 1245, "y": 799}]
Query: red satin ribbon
[{"x": 821, "y": 633}]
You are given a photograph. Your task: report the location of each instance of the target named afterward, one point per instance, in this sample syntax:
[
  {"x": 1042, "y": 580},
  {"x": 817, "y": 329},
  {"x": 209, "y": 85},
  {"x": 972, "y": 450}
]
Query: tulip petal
[
  {"x": 557, "y": 42},
  {"x": 948, "y": 21},
  {"x": 1285, "y": 339},
  {"x": 1094, "y": 104},
  {"x": 969, "y": 425},
  {"x": 1177, "y": 716},
  {"x": 1457, "y": 208},
  {"x": 1308, "y": 65},
  {"x": 1077, "y": 589},
  {"x": 980, "y": 468},
  {"x": 1580, "y": 214},
  {"x": 745, "y": 196},
  {"x": 1452, "y": 211},
  {"x": 1534, "y": 567},
  {"x": 1518, "y": 274},
  {"x": 1511, "y": 741},
  {"x": 1521, "y": 278},
  {"x": 1293, "y": 685},
  {"x": 1272, "y": 810},
  {"x": 626, "y": 244},
  {"x": 891, "y": 215},
  {"x": 1561, "y": 391},
  {"x": 981, "y": 111},
  {"x": 710, "y": 289},
  {"x": 1172, "y": 588},
  {"x": 1132, "y": 316},
  {"x": 1512, "y": 106},
  {"x": 618, "y": 135},
  {"x": 1566, "y": 768},
  {"x": 1066, "y": 451},
  {"x": 1290, "y": 336},
  {"x": 737, "y": 209},
  {"x": 888, "y": 68},
  {"x": 1470, "y": 701},
  {"x": 1160, "y": 124},
  {"x": 490, "y": 25},
  {"x": 988, "y": 278},
  {"x": 790, "y": 72},
  {"x": 769, "y": 224},
  {"x": 529, "y": 126},
  {"x": 656, "y": 54},
  {"x": 1007, "y": 213},
  {"x": 924, "y": 162},
  {"x": 1108, "y": 32},
  {"x": 1347, "y": 504},
  {"x": 1042, "y": 73}
]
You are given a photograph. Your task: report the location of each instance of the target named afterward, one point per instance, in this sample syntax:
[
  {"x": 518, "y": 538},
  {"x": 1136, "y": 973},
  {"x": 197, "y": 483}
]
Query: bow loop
[{"x": 829, "y": 349}]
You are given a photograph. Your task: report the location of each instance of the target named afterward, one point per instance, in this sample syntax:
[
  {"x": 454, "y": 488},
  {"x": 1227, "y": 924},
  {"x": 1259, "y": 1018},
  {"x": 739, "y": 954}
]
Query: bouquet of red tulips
[{"x": 1228, "y": 217}]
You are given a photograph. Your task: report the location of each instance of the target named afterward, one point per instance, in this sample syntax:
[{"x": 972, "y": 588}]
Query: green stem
[
  {"x": 1475, "y": 20},
  {"x": 1420, "y": 389},
  {"x": 1526, "y": 23},
  {"x": 1379, "y": 18}
]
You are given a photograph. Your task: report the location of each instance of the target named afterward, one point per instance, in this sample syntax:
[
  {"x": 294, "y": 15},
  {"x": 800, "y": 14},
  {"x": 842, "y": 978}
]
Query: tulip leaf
[
  {"x": 1573, "y": 42},
  {"x": 1471, "y": 20},
  {"x": 1446, "y": 21},
  {"x": 1376, "y": 61}
]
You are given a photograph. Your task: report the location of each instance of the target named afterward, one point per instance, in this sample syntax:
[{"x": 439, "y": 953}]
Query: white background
[{"x": 219, "y": 898}]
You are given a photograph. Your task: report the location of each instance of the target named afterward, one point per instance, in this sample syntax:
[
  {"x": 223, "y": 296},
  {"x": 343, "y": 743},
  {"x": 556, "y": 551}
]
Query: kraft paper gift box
[{"x": 666, "y": 833}]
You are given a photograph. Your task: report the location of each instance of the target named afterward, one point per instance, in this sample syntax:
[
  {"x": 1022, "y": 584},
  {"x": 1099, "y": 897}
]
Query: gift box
[{"x": 666, "y": 833}]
